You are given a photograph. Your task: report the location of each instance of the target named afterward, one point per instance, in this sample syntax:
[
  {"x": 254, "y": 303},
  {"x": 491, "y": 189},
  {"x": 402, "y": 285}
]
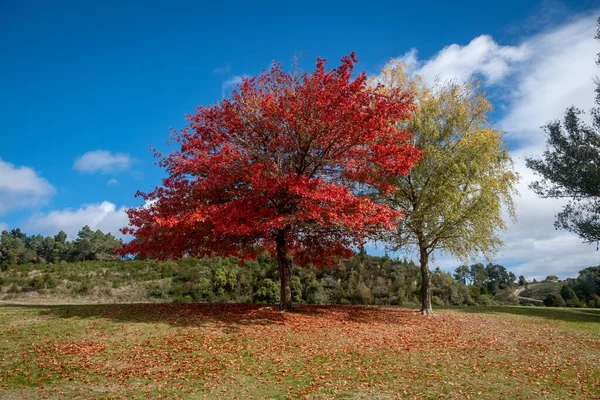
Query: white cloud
[
  {"x": 112, "y": 181},
  {"x": 482, "y": 57},
  {"x": 3, "y": 226},
  {"x": 560, "y": 73},
  {"x": 537, "y": 79},
  {"x": 103, "y": 161},
  {"x": 233, "y": 81},
  {"x": 21, "y": 187},
  {"x": 104, "y": 216}
]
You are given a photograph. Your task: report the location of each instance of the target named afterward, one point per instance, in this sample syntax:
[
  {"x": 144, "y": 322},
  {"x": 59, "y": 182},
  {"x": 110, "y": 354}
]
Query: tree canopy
[
  {"x": 452, "y": 199},
  {"x": 272, "y": 168},
  {"x": 16, "y": 247}
]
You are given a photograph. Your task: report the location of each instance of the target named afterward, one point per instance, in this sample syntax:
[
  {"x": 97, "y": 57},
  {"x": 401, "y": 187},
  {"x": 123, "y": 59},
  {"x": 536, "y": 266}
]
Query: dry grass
[{"x": 249, "y": 351}]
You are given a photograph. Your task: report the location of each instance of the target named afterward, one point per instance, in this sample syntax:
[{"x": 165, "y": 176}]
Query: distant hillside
[{"x": 541, "y": 290}]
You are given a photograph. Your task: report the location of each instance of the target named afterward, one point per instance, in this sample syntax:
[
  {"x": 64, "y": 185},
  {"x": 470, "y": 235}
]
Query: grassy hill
[{"x": 541, "y": 290}]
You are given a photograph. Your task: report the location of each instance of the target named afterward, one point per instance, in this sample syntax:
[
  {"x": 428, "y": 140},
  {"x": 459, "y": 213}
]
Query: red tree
[{"x": 277, "y": 167}]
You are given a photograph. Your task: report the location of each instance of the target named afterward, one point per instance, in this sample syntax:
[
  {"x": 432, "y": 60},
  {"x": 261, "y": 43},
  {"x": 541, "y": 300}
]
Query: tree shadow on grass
[
  {"x": 228, "y": 316},
  {"x": 579, "y": 315}
]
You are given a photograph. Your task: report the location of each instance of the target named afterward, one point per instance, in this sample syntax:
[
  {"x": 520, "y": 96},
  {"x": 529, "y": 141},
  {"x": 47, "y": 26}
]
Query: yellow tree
[{"x": 453, "y": 199}]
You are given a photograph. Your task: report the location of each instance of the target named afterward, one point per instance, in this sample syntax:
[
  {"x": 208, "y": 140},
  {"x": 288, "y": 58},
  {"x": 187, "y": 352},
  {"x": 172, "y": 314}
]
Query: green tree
[
  {"x": 498, "y": 278},
  {"x": 97, "y": 245},
  {"x": 62, "y": 248},
  {"x": 479, "y": 275},
  {"x": 461, "y": 274},
  {"x": 11, "y": 249},
  {"x": 554, "y": 300},
  {"x": 452, "y": 199},
  {"x": 569, "y": 295},
  {"x": 570, "y": 168},
  {"x": 522, "y": 281}
]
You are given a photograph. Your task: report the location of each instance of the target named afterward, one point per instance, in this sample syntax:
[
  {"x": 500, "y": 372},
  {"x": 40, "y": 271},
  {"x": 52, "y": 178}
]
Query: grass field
[{"x": 252, "y": 351}]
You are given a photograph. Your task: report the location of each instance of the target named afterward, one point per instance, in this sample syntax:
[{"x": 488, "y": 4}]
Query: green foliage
[
  {"x": 569, "y": 295},
  {"x": 436, "y": 301},
  {"x": 452, "y": 199},
  {"x": 267, "y": 292},
  {"x": 586, "y": 286},
  {"x": 361, "y": 279},
  {"x": 568, "y": 169},
  {"x": 17, "y": 248},
  {"x": 296, "y": 286},
  {"x": 551, "y": 278},
  {"x": 363, "y": 294},
  {"x": 554, "y": 300}
]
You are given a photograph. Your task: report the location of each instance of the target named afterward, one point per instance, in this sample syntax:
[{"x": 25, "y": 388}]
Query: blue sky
[{"x": 86, "y": 88}]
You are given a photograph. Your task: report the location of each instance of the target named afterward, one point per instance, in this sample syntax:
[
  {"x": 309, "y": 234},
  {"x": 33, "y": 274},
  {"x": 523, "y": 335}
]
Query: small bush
[
  {"x": 156, "y": 291},
  {"x": 363, "y": 294},
  {"x": 296, "y": 285},
  {"x": 36, "y": 283},
  {"x": 569, "y": 296},
  {"x": 436, "y": 301},
  {"x": 49, "y": 282},
  {"x": 319, "y": 296},
  {"x": 554, "y": 300},
  {"x": 485, "y": 300},
  {"x": 267, "y": 292},
  {"x": 202, "y": 291},
  {"x": 83, "y": 289}
]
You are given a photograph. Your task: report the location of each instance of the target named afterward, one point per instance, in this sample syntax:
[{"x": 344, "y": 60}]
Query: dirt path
[{"x": 520, "y": 290}]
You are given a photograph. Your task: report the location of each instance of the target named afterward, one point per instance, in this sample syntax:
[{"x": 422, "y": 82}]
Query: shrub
[
  {"x": 554, "y": 300},
  {"x": 83, "y": 289},
  {"x": 568, "y": 294},
  {"x": 202, "y": 291},
  {"x": 36, "y": 283},
  {"x": 166, "y": 269},
  {"x": 267, "y": 292},
  {"x": 506, "y": 297},
  {"x": 49, "y": 282},
  {"x": 156, "y": 291},
  {"x": 296, "y": 285},
  {"x": 436, "y": 301},
  {"x": 319, "y": 296},
  {"x": 363, "y": 294},
  {"x": 485, "y": 300}
]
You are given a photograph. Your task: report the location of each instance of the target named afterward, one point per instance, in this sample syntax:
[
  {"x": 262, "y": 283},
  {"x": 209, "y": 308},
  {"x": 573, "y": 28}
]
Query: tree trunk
[
  {"x": 285, "y": 272},
  {"x": 425, "y": 283}
]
